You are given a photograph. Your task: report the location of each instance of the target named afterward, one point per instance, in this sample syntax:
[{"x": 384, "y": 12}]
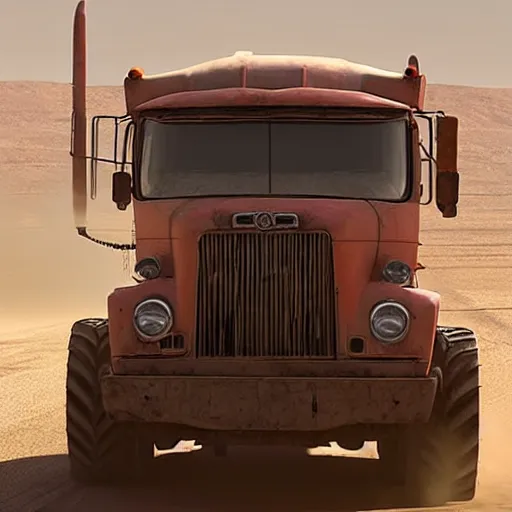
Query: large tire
[
  {"x": 100, "y": 450},
  {"x": 443, "y": 454}
]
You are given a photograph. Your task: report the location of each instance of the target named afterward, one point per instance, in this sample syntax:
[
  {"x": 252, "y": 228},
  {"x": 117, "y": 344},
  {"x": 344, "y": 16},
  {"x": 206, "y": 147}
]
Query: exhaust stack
[{"x": 79, "y": 118}]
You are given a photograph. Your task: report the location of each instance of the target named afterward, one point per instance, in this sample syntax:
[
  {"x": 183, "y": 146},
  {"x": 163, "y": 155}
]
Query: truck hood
[
  {"x": 362, "y": 229},
  {"x": 344, "y": 220}
]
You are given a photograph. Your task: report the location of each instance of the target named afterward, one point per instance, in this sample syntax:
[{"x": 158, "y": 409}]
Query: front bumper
[{"x": 268, "y": 403}]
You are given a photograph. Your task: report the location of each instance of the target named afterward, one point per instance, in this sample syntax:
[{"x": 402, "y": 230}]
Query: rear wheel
[
  {"x": 443, "y": 453},
  {"x": 99, "y": 449}
]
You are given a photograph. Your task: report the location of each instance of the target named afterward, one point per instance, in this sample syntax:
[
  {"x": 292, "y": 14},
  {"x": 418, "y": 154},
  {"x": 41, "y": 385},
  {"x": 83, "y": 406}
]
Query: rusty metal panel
[
  {"x": 268, "y": 404},
  {"x": 266, "y": 295}
]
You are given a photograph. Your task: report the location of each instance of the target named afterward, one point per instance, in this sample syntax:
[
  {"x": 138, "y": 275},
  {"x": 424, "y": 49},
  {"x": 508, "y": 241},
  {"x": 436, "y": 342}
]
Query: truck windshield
[{"x": 359, "y": 160}]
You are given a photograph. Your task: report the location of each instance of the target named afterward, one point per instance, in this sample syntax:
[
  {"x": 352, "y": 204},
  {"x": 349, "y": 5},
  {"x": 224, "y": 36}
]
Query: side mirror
[
  {"x": 447, "y": 176},
  {"x": 121, "y": 189}
]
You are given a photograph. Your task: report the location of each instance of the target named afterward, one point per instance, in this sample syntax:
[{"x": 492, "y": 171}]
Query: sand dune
[{"x": 51, "y": 277}]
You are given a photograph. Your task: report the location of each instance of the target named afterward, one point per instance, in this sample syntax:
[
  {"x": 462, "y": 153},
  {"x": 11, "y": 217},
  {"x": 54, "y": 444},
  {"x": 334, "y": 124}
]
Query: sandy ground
[{"x": 50, "y": 277}]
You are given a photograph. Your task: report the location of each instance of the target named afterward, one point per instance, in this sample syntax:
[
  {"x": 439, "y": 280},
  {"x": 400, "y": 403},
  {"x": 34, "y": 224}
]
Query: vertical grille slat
[{"x": 265, "y": 295}]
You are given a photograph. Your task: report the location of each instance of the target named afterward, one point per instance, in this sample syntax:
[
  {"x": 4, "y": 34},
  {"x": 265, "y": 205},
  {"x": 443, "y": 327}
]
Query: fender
[
  {"x": 121, "y": 306},
  {"x": 423, "y": 306}
]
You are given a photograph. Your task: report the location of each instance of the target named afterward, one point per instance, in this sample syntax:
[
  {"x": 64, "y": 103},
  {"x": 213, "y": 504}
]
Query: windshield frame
[{"x": 269, "y": 114}]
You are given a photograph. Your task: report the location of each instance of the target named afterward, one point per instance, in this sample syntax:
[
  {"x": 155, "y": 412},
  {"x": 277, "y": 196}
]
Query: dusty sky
[{"x": 457, "y": 41}]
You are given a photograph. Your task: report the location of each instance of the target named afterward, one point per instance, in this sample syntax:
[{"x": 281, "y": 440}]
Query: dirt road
[{"x": 50, "y": 278}]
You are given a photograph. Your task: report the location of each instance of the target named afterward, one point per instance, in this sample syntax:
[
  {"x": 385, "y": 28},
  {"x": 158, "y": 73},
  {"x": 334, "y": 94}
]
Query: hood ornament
[{"x": 265, "y": 221}]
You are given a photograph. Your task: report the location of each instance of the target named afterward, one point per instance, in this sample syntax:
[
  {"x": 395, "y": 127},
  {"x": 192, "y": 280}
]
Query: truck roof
[{"x": 244, "y": 70}]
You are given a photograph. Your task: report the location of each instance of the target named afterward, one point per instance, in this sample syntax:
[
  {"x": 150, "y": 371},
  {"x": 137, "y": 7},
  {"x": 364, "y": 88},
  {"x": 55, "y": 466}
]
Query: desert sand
[{"x": 51, "y": 277}]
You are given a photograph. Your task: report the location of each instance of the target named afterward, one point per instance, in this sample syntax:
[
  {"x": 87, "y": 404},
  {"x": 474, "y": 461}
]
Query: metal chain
[{"x": 110, "y": 245}]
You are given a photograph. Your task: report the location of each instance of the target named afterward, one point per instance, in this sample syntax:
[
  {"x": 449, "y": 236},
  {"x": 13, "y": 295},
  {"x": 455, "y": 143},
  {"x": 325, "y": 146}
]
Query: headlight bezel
[
  {"x": 162, "y": 303},
  {"x": 403, "y": 309}
]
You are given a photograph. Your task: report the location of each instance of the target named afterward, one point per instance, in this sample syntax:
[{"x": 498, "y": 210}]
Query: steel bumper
[{"x": 268, "y": 404}]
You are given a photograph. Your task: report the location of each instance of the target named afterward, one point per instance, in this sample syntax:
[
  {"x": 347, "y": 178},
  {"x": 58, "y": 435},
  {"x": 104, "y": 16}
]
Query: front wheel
[
  {"x": 99, "y": 449},
  {"x": 443, "y": 454}
]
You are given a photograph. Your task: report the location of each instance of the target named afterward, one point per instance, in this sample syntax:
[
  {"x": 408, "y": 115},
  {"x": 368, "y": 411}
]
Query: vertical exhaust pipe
[{"x": 79, "y": 118}]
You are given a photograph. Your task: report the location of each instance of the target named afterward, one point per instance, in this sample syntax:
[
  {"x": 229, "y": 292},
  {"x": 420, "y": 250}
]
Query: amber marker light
[
  {"x": 411, "y": 72},
  {"x": 135, "y": 73}
]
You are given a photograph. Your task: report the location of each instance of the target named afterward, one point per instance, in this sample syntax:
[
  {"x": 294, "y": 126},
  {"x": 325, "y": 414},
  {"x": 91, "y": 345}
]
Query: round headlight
[
  {"x": 397, "y": 272},
  {"x": 148, "y": 268},
  {"x": 152, "y": 319},
  {"x": 389, "y": 322}
]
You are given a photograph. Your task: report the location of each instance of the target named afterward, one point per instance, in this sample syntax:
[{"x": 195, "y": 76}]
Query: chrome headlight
[
  {"x": 389, "y": 322},
  {"x": 152, "y": 319},
  {"x": 397, "y": 272}
]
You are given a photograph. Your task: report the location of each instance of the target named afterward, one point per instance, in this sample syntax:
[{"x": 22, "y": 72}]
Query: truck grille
[{"x": 265, "y": 295}]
